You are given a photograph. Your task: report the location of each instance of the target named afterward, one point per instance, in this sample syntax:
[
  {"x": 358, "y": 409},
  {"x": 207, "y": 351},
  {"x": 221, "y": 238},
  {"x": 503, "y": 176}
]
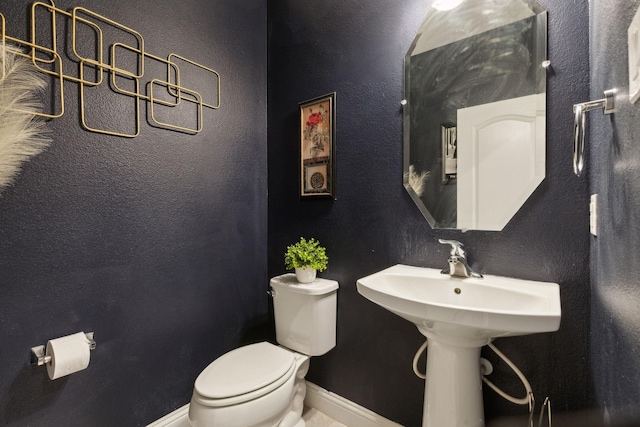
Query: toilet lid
[{"x": 244, "y": 370}]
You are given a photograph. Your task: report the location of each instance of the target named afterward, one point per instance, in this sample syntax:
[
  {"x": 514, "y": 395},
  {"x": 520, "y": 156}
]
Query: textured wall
[
  {"x": 358, "y": 52},
  {"x": 615, "y": 176},
  {"x": 158, "y": 243}
]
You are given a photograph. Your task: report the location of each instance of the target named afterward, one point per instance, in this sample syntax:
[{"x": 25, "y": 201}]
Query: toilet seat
[{"x": 244, "y": 374}]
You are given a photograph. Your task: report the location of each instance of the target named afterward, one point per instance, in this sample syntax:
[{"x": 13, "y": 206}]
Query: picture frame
[
  {"x": 449, "y": 154},
  {"x": 318, "y": 147}
]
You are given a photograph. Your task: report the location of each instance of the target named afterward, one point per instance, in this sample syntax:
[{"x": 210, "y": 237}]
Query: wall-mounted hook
[{"x": 580, "y": 125}]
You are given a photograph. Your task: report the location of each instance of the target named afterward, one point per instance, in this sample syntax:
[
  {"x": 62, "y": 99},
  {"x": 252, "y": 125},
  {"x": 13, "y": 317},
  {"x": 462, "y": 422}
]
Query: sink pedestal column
[{"x": 453, "y": 388}]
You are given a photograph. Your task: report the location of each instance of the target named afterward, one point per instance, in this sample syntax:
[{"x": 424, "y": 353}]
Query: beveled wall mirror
[{"x": 475, "y": 112}]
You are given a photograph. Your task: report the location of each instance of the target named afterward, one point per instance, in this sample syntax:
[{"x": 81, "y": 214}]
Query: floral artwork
[
  {"x": 316, "y": 131},
  {"x": 317, "y": 147}
]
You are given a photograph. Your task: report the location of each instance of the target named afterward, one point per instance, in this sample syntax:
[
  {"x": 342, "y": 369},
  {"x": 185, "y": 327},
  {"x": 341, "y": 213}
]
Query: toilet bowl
[
  {"x": 257, "y": 385},
  {"x": 262, "y": 384}
]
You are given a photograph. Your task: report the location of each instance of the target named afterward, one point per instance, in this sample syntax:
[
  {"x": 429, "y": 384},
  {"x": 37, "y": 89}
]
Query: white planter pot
[{"x": 305, "y": 274}]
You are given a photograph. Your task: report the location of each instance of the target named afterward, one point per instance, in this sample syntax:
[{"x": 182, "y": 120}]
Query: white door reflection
[{"x": 501, "y": 160}]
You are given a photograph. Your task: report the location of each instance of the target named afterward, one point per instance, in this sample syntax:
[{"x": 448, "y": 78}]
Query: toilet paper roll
[{"x": 68, "y": 355}]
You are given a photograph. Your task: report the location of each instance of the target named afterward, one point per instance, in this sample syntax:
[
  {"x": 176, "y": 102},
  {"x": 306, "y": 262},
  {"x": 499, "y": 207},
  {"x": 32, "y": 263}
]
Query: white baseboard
[
  {"x": 337, "y": 407},
  {"x": 177, "y": 418},
  {"x": 342, "y": 410}
]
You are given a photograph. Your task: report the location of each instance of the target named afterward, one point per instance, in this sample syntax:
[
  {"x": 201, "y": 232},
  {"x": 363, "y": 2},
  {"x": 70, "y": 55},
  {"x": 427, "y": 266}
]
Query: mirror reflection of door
[{"x": 501, "y": 160}]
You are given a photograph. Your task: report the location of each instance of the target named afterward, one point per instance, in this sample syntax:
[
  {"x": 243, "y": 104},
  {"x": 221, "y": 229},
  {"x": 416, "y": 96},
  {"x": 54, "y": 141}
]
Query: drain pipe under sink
[{"x": 485, "y": 369}]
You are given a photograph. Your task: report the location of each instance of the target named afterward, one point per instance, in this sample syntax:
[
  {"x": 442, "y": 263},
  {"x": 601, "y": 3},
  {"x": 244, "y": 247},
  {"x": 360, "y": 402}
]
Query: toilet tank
[{"x": 305, "y": 314}]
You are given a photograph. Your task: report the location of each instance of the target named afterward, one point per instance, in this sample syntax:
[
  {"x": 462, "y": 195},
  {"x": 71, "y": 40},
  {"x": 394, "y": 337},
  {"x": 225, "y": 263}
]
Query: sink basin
[
  {"x": 484, "y": 308},
  {"x": 459, "y": 316}
]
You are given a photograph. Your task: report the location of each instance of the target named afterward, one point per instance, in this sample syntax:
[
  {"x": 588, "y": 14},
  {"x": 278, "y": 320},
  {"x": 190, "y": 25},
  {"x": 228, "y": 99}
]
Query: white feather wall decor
[
  {"x": 415, "y": 181},
  {"x": 22, "y": 134}
]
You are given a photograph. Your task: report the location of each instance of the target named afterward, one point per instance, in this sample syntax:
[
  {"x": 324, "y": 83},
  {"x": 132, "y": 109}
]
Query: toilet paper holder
[{"x": 39, "y": 356}]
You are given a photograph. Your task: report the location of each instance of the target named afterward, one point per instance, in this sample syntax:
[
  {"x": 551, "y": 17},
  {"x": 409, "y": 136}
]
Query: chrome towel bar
[{"x": 580, "y": 125}]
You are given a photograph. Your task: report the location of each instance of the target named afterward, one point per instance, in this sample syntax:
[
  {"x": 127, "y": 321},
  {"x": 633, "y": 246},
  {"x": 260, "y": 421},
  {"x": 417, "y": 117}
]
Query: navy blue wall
[
  {"x": 147, "y": 241},
  {"x": 357, "y": 50},
  {"x": 158, "y": 243},
  {"x": 615, "y": 177}
]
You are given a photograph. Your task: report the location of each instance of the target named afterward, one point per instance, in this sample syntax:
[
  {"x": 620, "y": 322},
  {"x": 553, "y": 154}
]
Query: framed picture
[
  {"x": 449, "y": 136},
  {"x": 318, "y": 147}
]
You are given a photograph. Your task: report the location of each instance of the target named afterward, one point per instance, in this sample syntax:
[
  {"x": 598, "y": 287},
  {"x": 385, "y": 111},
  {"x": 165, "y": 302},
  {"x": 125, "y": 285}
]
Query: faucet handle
[{"x": 456, "y": 247}]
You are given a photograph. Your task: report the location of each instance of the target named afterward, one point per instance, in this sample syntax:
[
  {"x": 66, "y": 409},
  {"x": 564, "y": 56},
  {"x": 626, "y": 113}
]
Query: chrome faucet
[{"x": 458, "y": 266}]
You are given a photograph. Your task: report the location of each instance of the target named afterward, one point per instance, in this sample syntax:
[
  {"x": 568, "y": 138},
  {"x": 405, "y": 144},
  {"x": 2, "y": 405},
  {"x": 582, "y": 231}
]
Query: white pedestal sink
[{"x": 459, "y": 316}]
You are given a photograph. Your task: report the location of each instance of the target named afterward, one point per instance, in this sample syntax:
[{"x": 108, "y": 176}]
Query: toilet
[{"x": 262, "y": 385}]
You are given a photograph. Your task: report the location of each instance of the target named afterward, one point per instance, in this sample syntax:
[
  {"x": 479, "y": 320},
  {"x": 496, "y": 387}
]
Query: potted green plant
[{"x": 306, "y": 257}]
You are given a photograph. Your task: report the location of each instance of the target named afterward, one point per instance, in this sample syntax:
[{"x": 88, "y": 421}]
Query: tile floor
[{"x": 314, "y": 418}]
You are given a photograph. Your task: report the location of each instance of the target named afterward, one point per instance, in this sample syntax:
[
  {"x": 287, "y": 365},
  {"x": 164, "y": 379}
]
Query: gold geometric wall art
[{"x": 118, "y": 62}]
